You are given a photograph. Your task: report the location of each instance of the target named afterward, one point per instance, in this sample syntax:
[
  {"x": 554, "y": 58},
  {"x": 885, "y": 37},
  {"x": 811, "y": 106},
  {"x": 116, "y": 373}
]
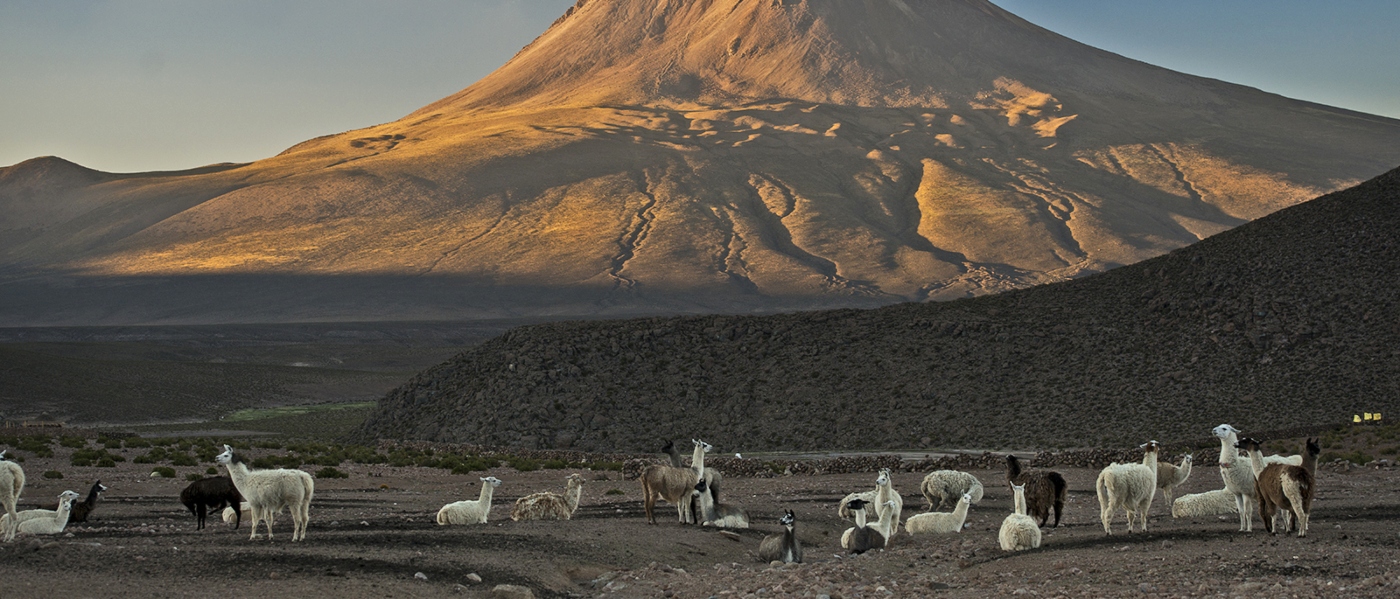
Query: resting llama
[
  {"x": 50, "y": 525},
  {"x": 782, "y": 547},
  {"x": 550, "y": 506},
  {"x": 1210, "y": 503},
  {"x": 714, "y": 513},
  {"x": 1018, "y": 531},
  {"x": 470, "y": 511},
  {"x": 943, "y": 488},
  {"x": 863, "y": 537},
  {"x": 26, "y": 515},
  {"x": 1129, "y": 487},
  {"x": 940, "y": 522},
  {"x": 11, "y": 484},
  {"x": 268, "y": 491}
]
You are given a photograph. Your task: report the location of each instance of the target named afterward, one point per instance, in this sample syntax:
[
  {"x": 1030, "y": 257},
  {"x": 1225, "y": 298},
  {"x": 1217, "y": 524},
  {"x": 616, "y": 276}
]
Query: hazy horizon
[{"x": 146, "y": 85}]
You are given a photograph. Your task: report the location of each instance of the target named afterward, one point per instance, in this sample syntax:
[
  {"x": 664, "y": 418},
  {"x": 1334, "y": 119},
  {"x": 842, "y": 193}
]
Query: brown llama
[
  {"x": 1282, "y": 487},
  {"x": 1045, "y": 489},
  {"x": 550, "y": 506}
]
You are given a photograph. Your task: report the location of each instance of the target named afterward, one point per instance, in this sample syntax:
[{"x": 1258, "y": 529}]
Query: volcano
[{"x": 684, "y": 156}]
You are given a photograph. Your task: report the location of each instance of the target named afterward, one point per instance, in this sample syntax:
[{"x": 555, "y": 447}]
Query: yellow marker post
[
  {"x": 1366, "y": 416},
  {"x": 1356, "y": 418}
]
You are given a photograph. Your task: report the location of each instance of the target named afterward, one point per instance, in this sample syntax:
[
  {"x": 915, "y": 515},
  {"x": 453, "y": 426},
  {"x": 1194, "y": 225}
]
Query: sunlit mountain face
[{"x": 647, "y": 156}]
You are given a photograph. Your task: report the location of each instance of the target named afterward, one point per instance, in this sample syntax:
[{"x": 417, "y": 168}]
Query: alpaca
[
  {"x": 713, "y": 513},
  {"x": 26, "y": 515},
  {"x": 1045, "y": 489},
  {"x": 1210, "y": 503},
  {"x": 1238, "y": 477},
  {"x": 550, "y": 506},
  {"x": 782, "y": 547},
  {"x": 50, "y": 525},
  {"x": 1018, "y": 531},
  {"x": 212, "y": 494},
  {"x": 940, "y": 522},
  {"x": 675, "y": 454},
  {"x": 1283, "y": 486},
  {"x": 268, "y": 491},
  {"x": 470, "y": 511},
  {"x": 943, "y": 488},
  {"x": 11, "y": 485},
  {"x": 1170, "y": 476},
  {"x": 1128, "y": 486},
  {"x": 863, "y": 537}
]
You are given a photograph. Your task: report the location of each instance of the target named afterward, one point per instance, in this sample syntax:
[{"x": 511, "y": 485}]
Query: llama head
[
  {"x": 669, "y": 447},
  {"x": 1018, "y": 489},
  {"x": 700, "y": 487},
  {"x": 495, "y": 482},
  {"x": 967, "y": 498},
  {"x": 1224, "y": 431},
  {"x": 574, "y": 480},
  {"x": 1150, "y": 447},
  {"x": 226, "y": 457},
  {"x": 1313, "y": 447},
  {"x": 68, "y": 496},
  {"x": 1248, "y": 444},
  {"x": 884, "y": 478},
  {"x": 2, "y": 454},
  {"x": 787, "y": 519},
  {"x": 101, "y": 488},
  {"x": 705, "y": 447},
  {"x": 856, "y": 504},
  {"x": 1189, "y": 457}
]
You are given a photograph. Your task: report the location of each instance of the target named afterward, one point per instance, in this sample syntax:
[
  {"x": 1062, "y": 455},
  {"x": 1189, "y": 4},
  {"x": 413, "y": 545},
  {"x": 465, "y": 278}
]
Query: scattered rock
[
  {"x": 511, "y": 591},
  {"x": 474, "y": 578},
  {"x": 420, "y": 576}
]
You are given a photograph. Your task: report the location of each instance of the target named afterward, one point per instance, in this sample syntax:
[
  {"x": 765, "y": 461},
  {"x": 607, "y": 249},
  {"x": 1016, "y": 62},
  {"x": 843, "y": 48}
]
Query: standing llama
[
  {"x": 1130, "y": 487},
  {"x": 550, "y": 506},
  {"x": 11, "y": 484},
  {"x": 1044, "y": 489},
  {"x": 268, "y": 491}
]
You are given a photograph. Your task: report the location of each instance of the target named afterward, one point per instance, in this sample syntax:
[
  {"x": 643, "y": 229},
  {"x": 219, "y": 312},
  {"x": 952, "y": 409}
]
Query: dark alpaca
[
  {"x": 671, "y": 450},
  {"x": 214, "y": 493},
  {"x": 1045, "y": 489},
  {"x": 863, "y": 538},
  {"x": 81, "y": 509},
  {"x": 782, "y": 547}
]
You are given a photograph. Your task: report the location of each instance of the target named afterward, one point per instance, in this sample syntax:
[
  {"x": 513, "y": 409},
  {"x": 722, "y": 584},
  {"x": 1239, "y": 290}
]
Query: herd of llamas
[{"x": 1278, "y": 485}]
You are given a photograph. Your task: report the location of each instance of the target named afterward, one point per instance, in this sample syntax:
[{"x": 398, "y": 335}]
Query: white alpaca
[
  {"x": 50, "y": 525},
  {"x": 11, "y": 485},
  {"x": 1170, "y": 476},
  {"x": 266, "y": 492},
  {"x": 943, "y": 488},
  {"x": 1210, "y": 503},
  {"x": 27, "y": 515},
  {"x": 1019, "y": 531},
  {"x": 940, "y": 522},
  {"x": 1237, "y": 474},
  {"x": 470, "y": 511},
  {"x": 1130, "y": 487}
]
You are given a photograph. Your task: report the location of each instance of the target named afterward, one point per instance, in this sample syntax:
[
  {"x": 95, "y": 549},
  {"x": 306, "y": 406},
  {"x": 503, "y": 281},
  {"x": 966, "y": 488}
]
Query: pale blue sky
[{"x": 131, "y": 85}]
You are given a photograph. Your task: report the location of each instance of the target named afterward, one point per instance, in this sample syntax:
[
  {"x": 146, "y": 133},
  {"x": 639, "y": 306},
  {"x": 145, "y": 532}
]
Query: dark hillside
[{"x": 1289, "y": 320}]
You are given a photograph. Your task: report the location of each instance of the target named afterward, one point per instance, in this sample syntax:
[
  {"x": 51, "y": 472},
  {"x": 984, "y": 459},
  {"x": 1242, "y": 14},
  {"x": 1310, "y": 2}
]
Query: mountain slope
[
  {"x": 697, "y": 156},
  {"x": 1290, "y": 320}
]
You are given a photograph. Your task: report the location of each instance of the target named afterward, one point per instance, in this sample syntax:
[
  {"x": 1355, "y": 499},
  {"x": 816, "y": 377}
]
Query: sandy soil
[{"x": 372, "y": 533}]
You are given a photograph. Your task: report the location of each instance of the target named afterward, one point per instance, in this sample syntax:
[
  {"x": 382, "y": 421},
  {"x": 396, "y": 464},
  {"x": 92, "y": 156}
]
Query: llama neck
[
  {"x": 860, "y": 517},
  {"x": 1228, "y": 453},
  {"x": 1310, "y": 462},
  {"x": 1020, "y": 502},
  {"x": 1184, "y": 470},
  {"x": 572, "y": 495},
  {"x": 237, "y": 472},
  {"x": 1013, "y": 468},
  {"x": 882, "y": 493},
  {"x": 886, "y": 518},
  {"x": 961, "y": 510},
  {"x": 1256, "y": 461},
  {"x": 486, "y": 490},
  {"x": 64, "y": 509},
  {"x": 697, "y": 460}
]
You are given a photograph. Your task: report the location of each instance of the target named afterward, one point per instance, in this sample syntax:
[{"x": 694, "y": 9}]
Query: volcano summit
[{"x": 664, "y": 156}]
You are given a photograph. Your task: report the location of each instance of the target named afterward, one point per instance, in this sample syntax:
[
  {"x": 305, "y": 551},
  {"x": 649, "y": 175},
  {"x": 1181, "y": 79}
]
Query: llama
[
  {"x": 942, "y": 489},
  {"x": 1018, "y": 531},
  {"x": 1170, "y": 476},
  {"x": 50, "y": 525},
  {"x": 713, "y": 513},
  {"x": 212, "y": 493},
  {"x": 82, "y": 509},
  {"x": 1129, "y": 486},
  {"x": 940, "y": 522},
  {"x": 885, "y": 494},
  {"x": 1238, "y": 477},
  {"x": 1210, "y": 503},
  {"x": 782, "y": 547},
  {"x": 676, "y": 485},
  {"x": 268, "y": 491},
  {"x": 26, "y": 515},
  {"x": 11, "y": 485},
  {"x": 863, "y": 537},
  {"x": 550, "y": 506},
  {"x": 675, "y": 454},
  {"x": 232, "y": 517},
  {"x": 1045, "y": 489},
  {"x": 867, "y": 500},
  {"x": 1283, "y": 487},
  {"x": 470, "y": 511}
]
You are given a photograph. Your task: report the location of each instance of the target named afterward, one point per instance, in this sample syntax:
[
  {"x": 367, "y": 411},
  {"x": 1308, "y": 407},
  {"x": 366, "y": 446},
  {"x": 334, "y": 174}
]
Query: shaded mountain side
[
  {"x": 1289, "y": 320},
  {"x": 696, "y": 156}
]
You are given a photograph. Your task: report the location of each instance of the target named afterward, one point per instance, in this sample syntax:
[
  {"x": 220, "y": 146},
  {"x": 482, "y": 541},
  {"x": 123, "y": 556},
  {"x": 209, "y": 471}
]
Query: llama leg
[
  {"x": 1059, "y": 506},
  {"x": 199, "y": 515},
  {"x": 649, "y": 503}
]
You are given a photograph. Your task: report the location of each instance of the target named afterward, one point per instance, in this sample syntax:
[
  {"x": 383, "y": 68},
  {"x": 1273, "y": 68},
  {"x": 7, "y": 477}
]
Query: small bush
[
  {"x": 106, "y": 463},
  {"x": 183, "y": 459},
  {"x": 523, "y": 464},
  {"x": 554, "y": 464},
  {"x": 329, "y": 472},
  {"x": 137, "y": 442},
  {"x": 164, "y": 471},
  {"x": 211, "y": 470},
  {"x": 615, "y": 492},
  {"x": 613, "y": 466},
  {"x": 53, "y": 474},
  {"x": 193, "y": 477},
  {"x": 74, "y": 442}
]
